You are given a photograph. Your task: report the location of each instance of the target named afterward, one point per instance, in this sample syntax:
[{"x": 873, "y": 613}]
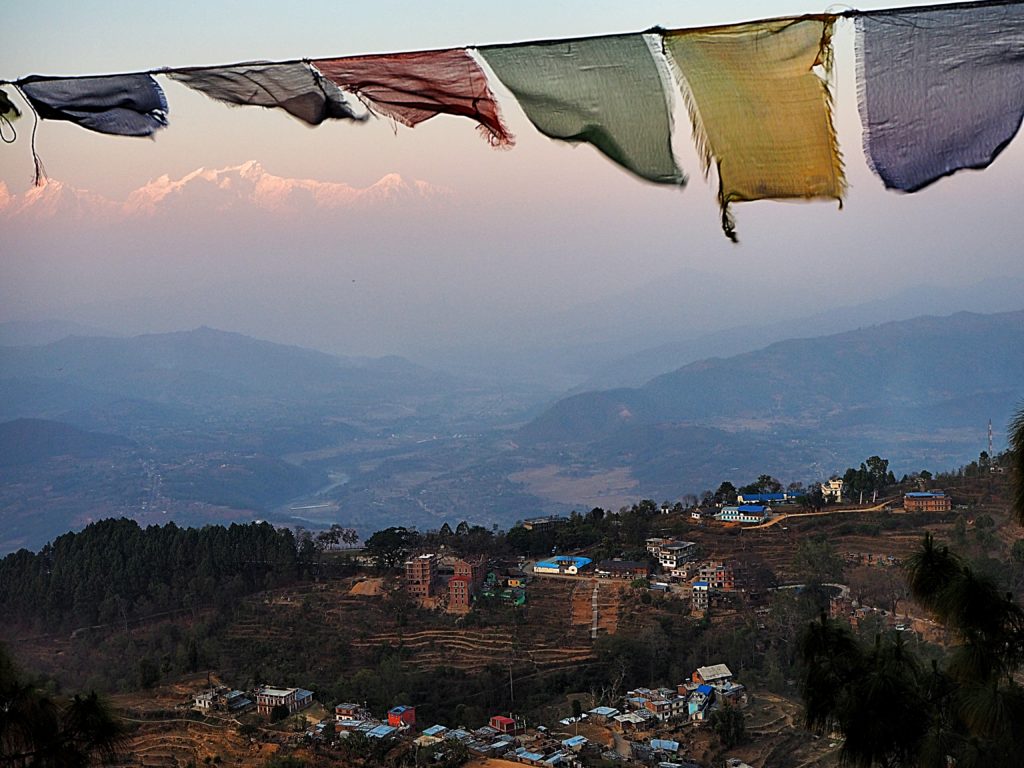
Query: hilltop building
[{"x": 542, "y": 522}]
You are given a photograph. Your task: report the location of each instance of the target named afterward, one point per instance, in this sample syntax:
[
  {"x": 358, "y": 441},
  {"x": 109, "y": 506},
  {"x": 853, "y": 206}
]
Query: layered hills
[{"x": 219, "y": 426}]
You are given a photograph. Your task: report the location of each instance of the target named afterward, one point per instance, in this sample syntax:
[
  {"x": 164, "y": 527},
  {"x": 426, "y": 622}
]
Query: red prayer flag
[{"x": 413, "y": 87}]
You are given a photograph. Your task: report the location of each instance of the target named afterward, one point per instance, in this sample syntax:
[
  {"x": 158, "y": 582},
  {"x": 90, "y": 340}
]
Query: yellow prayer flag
[{"x": 760, "y": 111}]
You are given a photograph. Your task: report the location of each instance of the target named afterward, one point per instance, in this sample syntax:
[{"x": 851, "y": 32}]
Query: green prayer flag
[{"x": 609, "y": 92}]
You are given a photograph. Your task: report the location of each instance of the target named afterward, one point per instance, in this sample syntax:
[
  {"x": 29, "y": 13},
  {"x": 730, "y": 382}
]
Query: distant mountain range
[
  {"x": 638, "y": 367},
  {"x": 209, "y": 372},
  {"x": 899, "y": 367},
  {"x": 246, "y": 186},
  {"x": 922, "y": 389},
  {"x": 206, "y": 425}
]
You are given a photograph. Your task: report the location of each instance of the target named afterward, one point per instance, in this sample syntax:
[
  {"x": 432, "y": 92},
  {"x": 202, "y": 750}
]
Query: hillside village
[
  {"x": 658, "y": 635},
  {"x": 640, "y": 726}
]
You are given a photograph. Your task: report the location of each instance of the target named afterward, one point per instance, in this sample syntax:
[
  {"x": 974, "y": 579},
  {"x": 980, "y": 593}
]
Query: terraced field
[{"x": 551, "y": 640}]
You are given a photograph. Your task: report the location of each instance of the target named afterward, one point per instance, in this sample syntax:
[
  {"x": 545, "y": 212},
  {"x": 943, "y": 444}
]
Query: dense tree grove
[
  {"x": 39, "y": 731},
  {"x": 896, "y": 710},
  {"x": 114, "y": 571}
]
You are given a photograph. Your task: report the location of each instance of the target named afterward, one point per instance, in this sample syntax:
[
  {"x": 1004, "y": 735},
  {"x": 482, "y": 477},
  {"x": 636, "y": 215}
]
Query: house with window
[
  {"x": 292, "y": 699},
  {"x": 718, "y": 574},
  {"x": 927, "y": 501},
  {"x": 833, "y": 490},
  {"x": 675, "y": 553},
  {"x": 568, "y": 565},
  {"x": 402, "y": 716},
  {"x": 503, "y": 724},
  {"x": 744, "y": 513},
  {"x": 420, "y": 574},
  {"x": 700, "y": 596},
  {"x": 715, "y": 674},
  {"x": 699, "y": 702}
]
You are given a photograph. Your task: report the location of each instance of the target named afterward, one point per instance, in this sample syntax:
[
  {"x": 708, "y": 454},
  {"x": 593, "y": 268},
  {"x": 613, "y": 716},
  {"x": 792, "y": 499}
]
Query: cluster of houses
[
  {"x": 437, "y": 582},
  {"x": 454, "y": 583},
  {"x": 752, "y": 508},
  {"x": 268, "y": 700},
  {"x": 694, "y": 700},
  {"x": 638, "y": 719},
  {"x": 679, "y": 564},
  {"x": 222, "y": 699}
]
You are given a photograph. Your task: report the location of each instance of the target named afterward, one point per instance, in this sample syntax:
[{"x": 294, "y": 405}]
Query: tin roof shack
[
  {"x": 381, "y": 732},
  {"x": 637, "y": 720},
  {"x": 603, "y": 714},
  {"x": 712, "y": 675}
]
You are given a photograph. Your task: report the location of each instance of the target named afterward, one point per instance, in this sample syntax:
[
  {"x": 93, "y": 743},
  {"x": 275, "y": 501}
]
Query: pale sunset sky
[{"x": 524, "y": 234}]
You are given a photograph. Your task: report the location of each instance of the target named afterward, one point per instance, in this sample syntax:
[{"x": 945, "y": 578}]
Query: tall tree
[
  {"x": 1017, "y": 463},
  {"x": 37, "y": 731}
]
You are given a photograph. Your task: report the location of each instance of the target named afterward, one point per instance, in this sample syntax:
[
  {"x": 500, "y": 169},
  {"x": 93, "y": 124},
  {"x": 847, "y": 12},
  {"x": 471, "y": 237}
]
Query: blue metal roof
[
  {"x": 705, "y": 689},
  {"x": 756, "y": 508},
  {"x": 563, "y": 560},
  {"x": 926, "y": 494},
  {"x": 381, "y": 731},
  {"x": 435, "y": 730},
  {"x": 575, "y": 741},
  {"x": 665, "y": 744}
]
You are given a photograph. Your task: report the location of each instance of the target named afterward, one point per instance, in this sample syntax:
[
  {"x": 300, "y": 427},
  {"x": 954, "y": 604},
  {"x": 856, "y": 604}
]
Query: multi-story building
[
  {"x": 420, "y": 573},
  {"x": 471, "y": 568},
  {"x": 700, "y": 596},
  {"x": 833, "y": 490},
  {"x": 927, "y": 501},
  {"x": 348, "y": 711},
  {"x": 292, "y": 699},
  {"x": 671, "y": 553},
  {"x": 460, "y": 594},
  {"x": 402, "y": 716},
  {"x": 718, "y": 574}
]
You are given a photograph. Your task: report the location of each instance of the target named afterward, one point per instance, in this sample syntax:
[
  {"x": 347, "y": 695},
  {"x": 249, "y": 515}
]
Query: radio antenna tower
[{"x": 990, "y": 439}]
